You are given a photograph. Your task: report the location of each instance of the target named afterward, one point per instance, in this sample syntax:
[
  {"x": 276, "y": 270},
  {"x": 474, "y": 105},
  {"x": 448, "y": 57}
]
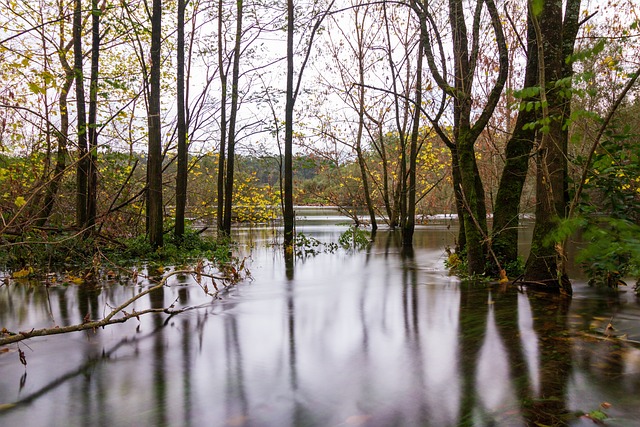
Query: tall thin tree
[
  {"x": 181, "y": 175},
  {"x": 82, "y": 165},
  {"x": 409, "y": 222},
  {"x": 291, "y": 96},
  {"x": 63, "y": 133},
  {"x": 288, "y": 214},
  {"x": 92, "y": 173},
  {"x": 222, "y": 70},
  {"x": 233, "y": 118},
  {"x": 154, "y": 166}
]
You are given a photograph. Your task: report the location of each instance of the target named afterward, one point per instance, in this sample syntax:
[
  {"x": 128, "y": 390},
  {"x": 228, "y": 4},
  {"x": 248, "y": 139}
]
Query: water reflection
[{"x": 376, "y": 338}]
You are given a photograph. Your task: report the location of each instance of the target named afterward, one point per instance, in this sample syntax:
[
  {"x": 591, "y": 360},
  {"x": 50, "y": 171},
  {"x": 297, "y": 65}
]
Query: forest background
[{"x": 214, "y": 112}]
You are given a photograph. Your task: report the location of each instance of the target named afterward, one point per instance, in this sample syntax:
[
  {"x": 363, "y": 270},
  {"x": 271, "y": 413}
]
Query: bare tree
[
  {"x": 154, "y": 166},
  {"x": 291, "y": 96},
  {"x": 468, "y": 186},
  {"x": 181, "y": 175},
  {"x": 92, "y": 163},
  {"x": 82, "y": 165}
]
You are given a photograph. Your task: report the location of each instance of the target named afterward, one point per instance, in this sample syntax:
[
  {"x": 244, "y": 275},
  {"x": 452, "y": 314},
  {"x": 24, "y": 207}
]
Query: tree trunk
[
  {"x": 473, "y": 203},
  {"x": 570, "y": 27},
  {"x": 82, "y": 165},
  {"x": 223, "y": 125},
  {"x": 361, "y": 111},
  {"x": 62, "y": 136},
  {"x": 365, "y": 184},
  {"x": 291, "y": 95},
  {"x": 154, "y": 166},
  {"x": 228, "y": 202},
  {"x": 514, "y": 172},
  {"x": 410, "y": 222},
  {"x": 468, "y": 187},
  {"x": 288, "y": 214},
  {"x": 545, "y": 265},
  {"x": 181, "y": 175},
  {"x": 92, "y": 182},
  {"x": 456, "y": 179}
]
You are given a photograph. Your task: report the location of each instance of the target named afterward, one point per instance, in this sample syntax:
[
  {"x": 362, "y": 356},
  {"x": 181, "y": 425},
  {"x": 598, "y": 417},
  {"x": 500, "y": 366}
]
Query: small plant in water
[
  {"x": 310, "y": 246},
  {"x": 355, "y": 238},
  {"x": 307, "y": 245},
  {"x": 456, "y": 263},
  {"x": 598, "y": 416}
]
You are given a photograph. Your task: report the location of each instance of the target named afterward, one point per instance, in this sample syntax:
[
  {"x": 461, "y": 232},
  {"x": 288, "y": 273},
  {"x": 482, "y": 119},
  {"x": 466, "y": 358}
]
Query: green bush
[{"x": 355, "y": 238}]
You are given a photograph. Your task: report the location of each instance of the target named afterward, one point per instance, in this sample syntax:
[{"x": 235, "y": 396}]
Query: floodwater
[{"x": 351, "y": 338}]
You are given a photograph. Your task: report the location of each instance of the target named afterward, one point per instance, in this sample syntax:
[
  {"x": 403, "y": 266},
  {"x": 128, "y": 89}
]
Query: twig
[
  {"x": 110, "y": 319},
  {"x": 596, "y": 141},
  {"x": 486, "y": 238}
]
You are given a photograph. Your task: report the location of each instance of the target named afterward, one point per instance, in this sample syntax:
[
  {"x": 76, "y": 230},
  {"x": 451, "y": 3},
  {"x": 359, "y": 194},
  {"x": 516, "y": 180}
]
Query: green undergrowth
[
  {"x": 38, "y": 253},
  {"x": 191, "y": 247},
  {"x": 456, "y": 263},
  {"x": 355, "y": 238}
]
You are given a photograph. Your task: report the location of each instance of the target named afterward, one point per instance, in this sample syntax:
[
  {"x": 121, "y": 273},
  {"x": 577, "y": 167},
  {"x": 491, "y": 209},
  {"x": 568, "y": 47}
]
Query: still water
[{"x": 371, "y": 338}]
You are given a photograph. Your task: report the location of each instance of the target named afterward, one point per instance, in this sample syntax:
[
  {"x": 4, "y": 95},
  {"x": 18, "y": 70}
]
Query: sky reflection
[{"x": 374, "y": 338}]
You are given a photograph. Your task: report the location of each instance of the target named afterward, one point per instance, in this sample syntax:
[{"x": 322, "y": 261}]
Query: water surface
[{"x": 379, "y": 337}]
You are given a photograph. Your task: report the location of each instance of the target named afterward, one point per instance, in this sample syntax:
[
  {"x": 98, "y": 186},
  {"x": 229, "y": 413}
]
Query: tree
[
  {"x": 154, "y": 165},
  {"x": 401, "y": 107},
  {"x": 291, "y": 95},
  {"x": 517, "y": 152},
  {"x": 181, "y": 175},
  {"x": 468, "y": 186},
  {"x": 62, "y": 135},
  {"x": 233, "y": 119},
  {"x": 92, "y": 163},
  {"x": 82, "y": 168},
  {"x": 288, "y": 213},
  {"x": 409, "y": 194},
  {"x": 222, "y": 70},
  {"x": 546, "y": 265},
  {"x": 354, "y": 84}
]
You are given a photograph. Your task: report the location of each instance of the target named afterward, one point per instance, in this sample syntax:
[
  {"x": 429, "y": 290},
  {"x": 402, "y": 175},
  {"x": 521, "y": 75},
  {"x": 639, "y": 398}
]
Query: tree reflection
[
  {"x": 411, "y": 315},
  {"x": 237, "y": 405},
  {"x": 497, "y": 355},
  {"x": 473, "y": 326},
  {"x": 156, "y": 299},
  {"x": 88, "y": 293},
  {"x": 550, "y": 323}
]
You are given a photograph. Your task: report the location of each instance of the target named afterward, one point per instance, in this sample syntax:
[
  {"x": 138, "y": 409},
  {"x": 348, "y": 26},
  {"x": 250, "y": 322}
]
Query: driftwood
[{"x": 8, "y": 337}]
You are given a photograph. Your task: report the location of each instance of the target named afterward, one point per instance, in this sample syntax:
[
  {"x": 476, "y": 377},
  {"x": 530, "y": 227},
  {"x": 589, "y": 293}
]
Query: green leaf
[
  {"x": 35, "y": 88},
  {"x": 537, "y": 7}
]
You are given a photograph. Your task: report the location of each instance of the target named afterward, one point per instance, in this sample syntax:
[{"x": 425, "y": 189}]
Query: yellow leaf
[
  {"x": 20, "y": 274},
  {"x": 20, "y": 201},
  {"x": 76, "y": 280},
  {"x": 503, "y": 277}
]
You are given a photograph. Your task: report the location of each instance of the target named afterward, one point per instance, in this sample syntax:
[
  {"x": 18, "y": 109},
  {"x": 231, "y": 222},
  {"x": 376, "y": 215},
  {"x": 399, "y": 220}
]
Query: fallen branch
[
  {"x": 110, "y": 319},
  {"x": 82, "y": 369}
]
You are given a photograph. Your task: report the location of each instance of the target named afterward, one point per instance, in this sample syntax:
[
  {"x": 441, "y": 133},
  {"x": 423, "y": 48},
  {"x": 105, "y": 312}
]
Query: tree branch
[{"x": 110, "y": 318}]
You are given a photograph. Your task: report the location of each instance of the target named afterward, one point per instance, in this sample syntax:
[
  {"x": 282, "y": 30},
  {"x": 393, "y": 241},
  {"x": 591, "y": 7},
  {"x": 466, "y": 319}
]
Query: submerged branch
[{"x": 110, "y": 319}]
